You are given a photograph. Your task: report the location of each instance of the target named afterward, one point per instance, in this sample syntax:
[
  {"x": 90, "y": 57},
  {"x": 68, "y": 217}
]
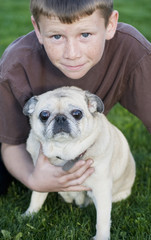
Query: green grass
[{"x": 60, "y": 221}]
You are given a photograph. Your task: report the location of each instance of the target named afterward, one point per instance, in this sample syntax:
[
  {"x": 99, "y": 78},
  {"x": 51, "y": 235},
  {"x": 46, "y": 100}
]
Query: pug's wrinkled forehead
[
  {"x": 71, "y": 95},
  {"x": 61, "y": 95}
]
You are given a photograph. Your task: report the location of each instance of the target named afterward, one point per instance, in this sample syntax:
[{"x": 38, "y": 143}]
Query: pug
[{"x": 70, "y": 125}]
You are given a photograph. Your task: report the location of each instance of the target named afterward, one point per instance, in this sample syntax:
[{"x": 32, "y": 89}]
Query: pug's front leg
[
  {"x": 37, "y": 200},
  {"x": 103, "y": 202}
]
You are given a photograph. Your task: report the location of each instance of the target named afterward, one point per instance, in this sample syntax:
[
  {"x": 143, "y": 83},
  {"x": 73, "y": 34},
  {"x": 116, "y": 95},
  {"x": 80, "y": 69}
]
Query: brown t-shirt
[{"x": 122, "y": 75}]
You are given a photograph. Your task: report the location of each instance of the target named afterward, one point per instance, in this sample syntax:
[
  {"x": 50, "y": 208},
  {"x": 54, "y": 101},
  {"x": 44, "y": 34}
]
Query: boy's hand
[
  {"x": 49, "y": 178},
  {"x": 44, "y": 177}
]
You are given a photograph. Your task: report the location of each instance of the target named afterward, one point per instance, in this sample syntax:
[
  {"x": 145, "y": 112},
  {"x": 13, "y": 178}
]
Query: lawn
[{"x": 57, "y": 220}]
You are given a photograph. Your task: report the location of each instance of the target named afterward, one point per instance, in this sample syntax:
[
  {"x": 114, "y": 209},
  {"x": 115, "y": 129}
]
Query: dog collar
[{"x": 68, "y": 165}]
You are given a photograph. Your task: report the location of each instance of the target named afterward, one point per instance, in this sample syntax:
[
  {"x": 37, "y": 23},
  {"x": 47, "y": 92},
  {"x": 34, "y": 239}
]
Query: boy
[{"x": 74, "y": 43}]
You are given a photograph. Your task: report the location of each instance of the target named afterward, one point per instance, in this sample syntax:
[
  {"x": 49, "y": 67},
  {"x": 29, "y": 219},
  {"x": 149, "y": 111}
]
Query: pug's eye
[
  {"x": 44, "y": 115},
  {"x": 77, "y": 114}
]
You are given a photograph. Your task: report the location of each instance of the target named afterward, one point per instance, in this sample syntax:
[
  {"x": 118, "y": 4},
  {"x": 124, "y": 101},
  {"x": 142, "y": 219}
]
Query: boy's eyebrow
[
  {"x": 54, "y": 31},
  {"x": 87, "y": 28}
]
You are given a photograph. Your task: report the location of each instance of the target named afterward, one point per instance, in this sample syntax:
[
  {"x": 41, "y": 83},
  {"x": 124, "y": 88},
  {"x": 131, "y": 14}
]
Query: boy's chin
[{"x": 75, "y": 74}]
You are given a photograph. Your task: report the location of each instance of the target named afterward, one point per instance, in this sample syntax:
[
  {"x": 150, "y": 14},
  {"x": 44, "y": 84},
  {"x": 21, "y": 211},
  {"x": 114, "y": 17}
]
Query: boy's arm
[{"x": 44, "y": 177}]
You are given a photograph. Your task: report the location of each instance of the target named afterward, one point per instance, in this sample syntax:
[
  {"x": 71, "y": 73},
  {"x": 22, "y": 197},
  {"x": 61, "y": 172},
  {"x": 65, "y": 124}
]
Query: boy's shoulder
[
  {"x": 28, "y": 41},
  {"x": 131, "y": 35},
  {"x": 20, "y": 50}
]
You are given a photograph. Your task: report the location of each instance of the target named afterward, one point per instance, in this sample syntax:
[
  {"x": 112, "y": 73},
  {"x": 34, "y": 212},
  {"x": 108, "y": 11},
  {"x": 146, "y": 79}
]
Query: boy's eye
[
  {"x": 57, "y": 36},
  {"x": 85, "y": 35}
]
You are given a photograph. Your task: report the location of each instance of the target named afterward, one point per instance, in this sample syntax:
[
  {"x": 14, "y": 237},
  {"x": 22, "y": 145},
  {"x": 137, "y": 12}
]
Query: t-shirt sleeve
[
  {"x": 14, "y": 126},
  {"x": 137, "y": 94}
]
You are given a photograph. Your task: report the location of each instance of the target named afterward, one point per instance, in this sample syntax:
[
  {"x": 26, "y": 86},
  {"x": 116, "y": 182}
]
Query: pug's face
[{"x": 62, "y": 114}]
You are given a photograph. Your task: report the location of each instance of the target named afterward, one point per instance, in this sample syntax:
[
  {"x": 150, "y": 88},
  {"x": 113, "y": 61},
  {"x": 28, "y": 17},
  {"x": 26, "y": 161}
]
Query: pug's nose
[
  {"x": 60, "y": 118},
  {"x": 61, "y": 124}
]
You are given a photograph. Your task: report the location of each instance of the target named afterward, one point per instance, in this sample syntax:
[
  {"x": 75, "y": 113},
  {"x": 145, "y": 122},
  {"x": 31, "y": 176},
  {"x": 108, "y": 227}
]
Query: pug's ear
[
  {"x": 94, "y": 103},
  {"x": 30, "y": 105}
]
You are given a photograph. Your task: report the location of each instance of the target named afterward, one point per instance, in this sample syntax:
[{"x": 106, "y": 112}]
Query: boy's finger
[
  {"x": 77, "y": 188},
  {"x": 78, "y": 176},
  {"x": 81, "y": 164},
  {"x": 82, "y": 178}
]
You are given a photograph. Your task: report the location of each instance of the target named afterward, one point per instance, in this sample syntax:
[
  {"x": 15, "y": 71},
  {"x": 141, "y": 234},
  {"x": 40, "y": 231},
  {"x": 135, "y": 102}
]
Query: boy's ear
[
  {"x": 112, "y": 25},
  {"x": 37, "y": 30}
]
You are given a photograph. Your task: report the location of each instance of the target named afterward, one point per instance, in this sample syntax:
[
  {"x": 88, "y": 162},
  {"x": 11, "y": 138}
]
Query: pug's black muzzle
[{"x": 61, "y": 124}]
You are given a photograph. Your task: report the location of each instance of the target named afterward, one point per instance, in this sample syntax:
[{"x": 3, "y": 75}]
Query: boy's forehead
[{"x": 86, "y": 21}]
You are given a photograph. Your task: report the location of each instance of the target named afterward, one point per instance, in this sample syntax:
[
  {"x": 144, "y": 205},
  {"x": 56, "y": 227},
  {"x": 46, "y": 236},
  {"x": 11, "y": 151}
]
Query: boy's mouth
[{"x": 73, "y": 67}]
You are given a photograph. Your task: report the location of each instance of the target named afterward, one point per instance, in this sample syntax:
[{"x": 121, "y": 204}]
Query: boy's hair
[{"x": 68, "y": 11}]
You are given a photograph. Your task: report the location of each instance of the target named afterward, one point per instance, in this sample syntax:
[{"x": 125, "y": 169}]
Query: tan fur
[{"x": 113, "y": 162}]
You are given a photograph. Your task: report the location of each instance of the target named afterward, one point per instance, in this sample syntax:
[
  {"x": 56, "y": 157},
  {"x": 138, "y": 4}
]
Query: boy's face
[{"x": 75, "y": 48}]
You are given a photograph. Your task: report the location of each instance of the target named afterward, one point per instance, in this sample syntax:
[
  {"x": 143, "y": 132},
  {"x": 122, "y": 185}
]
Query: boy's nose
[{"x": 72, "y": 50}]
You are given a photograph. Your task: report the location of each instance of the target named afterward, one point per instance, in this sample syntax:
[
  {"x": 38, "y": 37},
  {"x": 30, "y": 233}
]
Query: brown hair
[{"x": 68, "y": 11}]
